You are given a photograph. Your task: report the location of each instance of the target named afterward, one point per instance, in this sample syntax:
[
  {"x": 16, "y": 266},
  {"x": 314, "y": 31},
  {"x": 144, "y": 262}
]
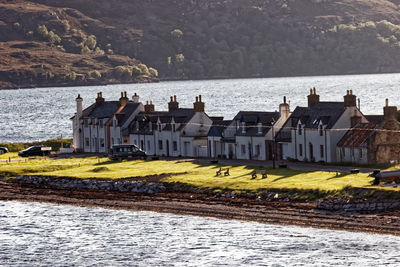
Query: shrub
[
  {"x": 53, "y": 37},
  {"x": 66, "y": 25},
  {"x": 136, "y": 70},
  {"x": 143, "y": 69},
  {"x": 179, "y": 58},
  {"x": 177, "y": 33},
  {"x": 29, "y": 34},
  {"x": 153, "y": 72},
  {"x": 91, "y": 42},
  {"x": 123, "y": 72},
  {"x": 42, "y": 31},
  {"x": 85, "y": 50},
  {"x": 95, "y": 74},
  {"x": 17, "y": 25}
]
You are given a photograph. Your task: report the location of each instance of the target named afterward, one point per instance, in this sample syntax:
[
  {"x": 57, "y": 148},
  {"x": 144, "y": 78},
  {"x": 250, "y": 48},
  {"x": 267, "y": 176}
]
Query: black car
[
  {"x": 3, "y": 150},
  {"x": 119, "y": 152},
  {"x": 35, "y": 151}
]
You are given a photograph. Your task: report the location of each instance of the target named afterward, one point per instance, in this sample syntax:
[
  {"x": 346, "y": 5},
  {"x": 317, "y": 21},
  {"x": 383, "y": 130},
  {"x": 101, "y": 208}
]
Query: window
[
  {"x": 119, "y": 140},
  {"x": 160, "y": 144},
  {"x": 321, "y": 151},
  {"x": 148, "y": 145},
  {"x": 301, "y": 150},
  {"x": 175, "y": 145},
  {"x": 93, "y": 141},
  {"x": 86, "y": 122},
  {"x": 112, "y": 141},
  {"x": 321, "y": 130},
  {"x": 173, "y": 127},
  {"x": 101, "y": 123},
  {"x": 142, "y": 145},
  {"x": 258, "y": 150},
  {"x": 243, "y": 149},
  {"x": 101, "y": 142},
  {"x": 159, "y": 127},
  {"x": 87, "y": 141},
  {"x": 300, "y": 130}
]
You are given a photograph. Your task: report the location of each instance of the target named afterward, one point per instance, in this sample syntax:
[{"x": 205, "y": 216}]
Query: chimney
[
  {"x": 99, "y": 99},
  {"x": 79, "y": 108},
  {"x": 350, "y": 100},
  {"x": 173, "y": 104},
  {"x": 355, "y": 119},
  {"x": 284, "y": 109},
  {"x": 124, "y": 99},
  {"x": 135, "y": 98},
  {"x": 198, "y": 105},
  {"x": 149, "y": 107},
  {"x": 389, "y": 112},
  {"x": 313, "y": 97}
]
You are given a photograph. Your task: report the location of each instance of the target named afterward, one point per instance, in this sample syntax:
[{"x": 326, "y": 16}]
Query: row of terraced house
[{"x": 320, "y": 132}]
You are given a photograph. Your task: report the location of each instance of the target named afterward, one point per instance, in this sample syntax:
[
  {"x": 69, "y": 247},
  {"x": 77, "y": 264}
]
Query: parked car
[
  {"x": 119, "y": 152},
  {"x": 35, "y": 151},
  {"x": 3, "y": 150}
]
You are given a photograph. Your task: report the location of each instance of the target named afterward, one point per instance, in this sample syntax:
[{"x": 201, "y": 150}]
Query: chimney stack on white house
[
  {"x": 135, "y": 98},
  {"x": 284, "y": 109},
  {"x": 124, "y": 99},
  {"x": 79, "y": 108}
]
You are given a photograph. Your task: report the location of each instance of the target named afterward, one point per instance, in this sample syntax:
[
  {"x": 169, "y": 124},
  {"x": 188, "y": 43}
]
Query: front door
[
  {"x": 167, "y": 148},
  {"x": 311, "y": 152}
]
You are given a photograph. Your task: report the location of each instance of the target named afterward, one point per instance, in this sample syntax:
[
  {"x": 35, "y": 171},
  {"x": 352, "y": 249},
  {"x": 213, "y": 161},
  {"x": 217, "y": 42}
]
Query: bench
[
  {"x": 263, "y": 173},
  {"x": 223, "y": 170}
]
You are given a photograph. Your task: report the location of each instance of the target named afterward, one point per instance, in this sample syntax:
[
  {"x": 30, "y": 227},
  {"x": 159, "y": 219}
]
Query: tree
[{"x": 177, "y": 33}]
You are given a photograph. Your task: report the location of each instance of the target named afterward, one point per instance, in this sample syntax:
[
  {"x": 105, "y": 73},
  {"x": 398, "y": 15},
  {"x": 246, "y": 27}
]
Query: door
[
  {"x": 230, "y": 153},
  {"x": 186, "y": 146},
  {"x": 167, "y": 148},
  {"x": 311, "y": 152}
]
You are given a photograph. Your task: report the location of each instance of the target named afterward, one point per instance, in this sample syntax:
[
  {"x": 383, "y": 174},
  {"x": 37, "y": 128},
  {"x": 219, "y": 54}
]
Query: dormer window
[
  {"x": 300, "y": 130},
  {"x": 321, "y": 130},
  {"x": 101, "y": 123},
  {"x": 159, "y": 127},
  {"x": 173, "y": 127}
]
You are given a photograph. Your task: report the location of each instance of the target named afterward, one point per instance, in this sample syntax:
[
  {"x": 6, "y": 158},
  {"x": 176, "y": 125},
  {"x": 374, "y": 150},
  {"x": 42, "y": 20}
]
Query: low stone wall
[
  {"x": 364, "y": 208},
  {"x": 111, "y": 185}
]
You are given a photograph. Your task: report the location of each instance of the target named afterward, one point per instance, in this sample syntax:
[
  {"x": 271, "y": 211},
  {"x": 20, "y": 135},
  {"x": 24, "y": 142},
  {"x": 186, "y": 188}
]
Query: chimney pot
[
  {"x": 315, "y": 91},
  {"x": 174, "y": 98},
  {"x": 284, "y": 99},
  {"x": 151, "y": 102},
  {"x": 199, "y": 98},
  {"x": 387, "y": 102},
  {"x": 311, "y": 91}
]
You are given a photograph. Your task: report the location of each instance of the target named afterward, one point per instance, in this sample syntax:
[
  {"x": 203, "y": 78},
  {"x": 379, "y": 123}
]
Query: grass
[
  {"x": 8, "y": 155},
  {"x": 201, "y": 175}
]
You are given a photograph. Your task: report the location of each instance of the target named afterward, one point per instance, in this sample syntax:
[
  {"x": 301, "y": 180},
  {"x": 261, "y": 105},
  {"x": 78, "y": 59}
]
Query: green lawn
[
  {"x": 8, "y": 155},
  {"x": 202, "y": 175}
]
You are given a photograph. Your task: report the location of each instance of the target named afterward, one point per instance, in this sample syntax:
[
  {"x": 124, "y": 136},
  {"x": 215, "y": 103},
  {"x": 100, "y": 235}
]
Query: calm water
[
  {"x": 51, "y": 235},
  {"x": 38, "y": 114}
]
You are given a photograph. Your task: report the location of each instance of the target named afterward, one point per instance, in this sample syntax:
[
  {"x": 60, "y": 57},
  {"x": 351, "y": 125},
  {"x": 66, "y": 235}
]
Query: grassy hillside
[{"x": 206, "y": 38}]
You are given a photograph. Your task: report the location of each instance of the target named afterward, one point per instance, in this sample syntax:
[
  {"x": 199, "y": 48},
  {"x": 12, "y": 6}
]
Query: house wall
[
  {"x": 250, "y": 147},
  {"x": 352, "y": 155},
  {"x": 385, "y": 145},
  {"x": 215, "y": 147}
]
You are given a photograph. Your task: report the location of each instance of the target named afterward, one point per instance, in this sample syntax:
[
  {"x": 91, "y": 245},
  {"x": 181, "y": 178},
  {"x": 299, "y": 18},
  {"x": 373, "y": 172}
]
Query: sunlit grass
[
  {"x": 8, "y": 155},
  {"x": 202, "y": 175}
]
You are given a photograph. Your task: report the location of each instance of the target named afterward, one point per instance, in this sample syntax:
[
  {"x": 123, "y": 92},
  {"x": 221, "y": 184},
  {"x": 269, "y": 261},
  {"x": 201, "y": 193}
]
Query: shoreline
[{"x": 267, "y": 212}]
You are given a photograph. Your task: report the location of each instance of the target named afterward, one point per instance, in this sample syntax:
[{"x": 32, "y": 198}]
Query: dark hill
[{"x": 195, "y": 39}]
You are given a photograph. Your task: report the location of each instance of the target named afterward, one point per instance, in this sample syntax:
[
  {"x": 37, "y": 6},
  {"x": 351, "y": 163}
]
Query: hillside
[{"x": 195, "y": 39}]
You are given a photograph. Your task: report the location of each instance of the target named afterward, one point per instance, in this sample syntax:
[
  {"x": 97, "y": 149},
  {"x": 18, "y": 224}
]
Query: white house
[
  {"x": 178, "y": 132},
  {"x": 312, "y": 133},
  {"x": 250, "y": 135},
  {"x": 92, "y": 127}
]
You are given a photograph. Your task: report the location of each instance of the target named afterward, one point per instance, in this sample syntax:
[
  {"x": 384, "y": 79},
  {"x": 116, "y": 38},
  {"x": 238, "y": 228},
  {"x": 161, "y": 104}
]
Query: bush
[
  {"x": 95, "y": 74},
  {"x": 66, "y": 25},
  {"x": 143, "y": 69},
  {"x": 71, "y": 76},
  {"x": 153, "y": 72},
  {"x": 123, "y": 72},
  {"x": 42, "y": 31},
  {"x": 85, "y": 50},
  {"x": 53, "y": 37},
  {"x": 179, "y": 58},
  {"x": 177, "y": 33},
  {"x": 91, "y": 42}
]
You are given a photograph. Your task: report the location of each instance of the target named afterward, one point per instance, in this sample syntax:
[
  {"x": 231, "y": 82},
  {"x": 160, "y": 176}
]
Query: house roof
[
  {"x": 105, "y": 110},
  {"x": 326, "y": 112},
  {"x": 126, "y": 112},
  {"x": 252, "y": 119},
  {"x": 218, "y": 127},
  {"x": 358, "y": 136},
  {"x": 377, "y": 119}
]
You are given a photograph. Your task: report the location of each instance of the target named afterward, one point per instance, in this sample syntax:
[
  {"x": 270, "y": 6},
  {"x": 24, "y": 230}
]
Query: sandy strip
[{"x": 283, "y": 213}]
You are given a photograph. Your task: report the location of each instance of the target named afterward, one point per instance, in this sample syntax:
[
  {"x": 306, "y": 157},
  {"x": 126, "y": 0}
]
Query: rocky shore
[{"x": 153, "y": 196}]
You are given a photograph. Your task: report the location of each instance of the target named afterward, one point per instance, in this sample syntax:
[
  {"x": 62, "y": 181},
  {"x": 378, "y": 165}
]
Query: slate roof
[
  {"x": 126, "y": 112},
  {"x": 377, "y": 119},
  {"x": 251, "y": 120},
  {"x": 358, "y": 136},
  {"x": 218, "y": 127},
  {"x": 327, "y": 112},
  {"x": 180, "y": 116},
  {"x": 105, "y": 110}
]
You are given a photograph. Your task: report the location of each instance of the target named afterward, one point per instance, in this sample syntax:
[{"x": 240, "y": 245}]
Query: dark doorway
[
  {"x": 311, "y": 152},
  {"x": 167, "y": 148}
]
